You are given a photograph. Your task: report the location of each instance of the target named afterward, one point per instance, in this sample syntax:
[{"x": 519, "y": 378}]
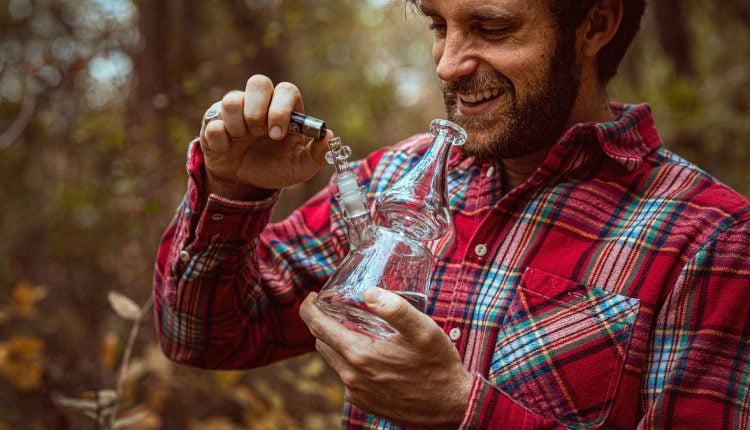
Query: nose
[{"x": 453, "y": 57}]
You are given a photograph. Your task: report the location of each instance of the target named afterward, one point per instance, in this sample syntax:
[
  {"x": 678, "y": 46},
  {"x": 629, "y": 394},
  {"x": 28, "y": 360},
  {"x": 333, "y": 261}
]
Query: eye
[
  {"x": 438, "y": 28},
  {"x": 495, "y": 29},
  {"x": 492, "y": 32}
]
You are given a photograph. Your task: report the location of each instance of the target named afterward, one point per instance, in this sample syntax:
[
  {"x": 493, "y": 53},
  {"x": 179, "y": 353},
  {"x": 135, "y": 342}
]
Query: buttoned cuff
[
  {"x": 225, "y": 219},
  {"x": 222, "y": 219}
]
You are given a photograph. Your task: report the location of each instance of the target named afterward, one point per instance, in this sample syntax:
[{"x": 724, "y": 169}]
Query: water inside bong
[{"x": 355, "y": 315}]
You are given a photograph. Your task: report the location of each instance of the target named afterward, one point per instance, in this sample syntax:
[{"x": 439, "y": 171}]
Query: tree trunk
[
  {"x": 674, "y": 36},
  {"x": 251, "y": 25}
]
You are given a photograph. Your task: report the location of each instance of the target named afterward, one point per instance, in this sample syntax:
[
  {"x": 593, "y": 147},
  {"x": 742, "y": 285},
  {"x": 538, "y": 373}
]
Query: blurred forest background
[{"x": 98, "y": 100}]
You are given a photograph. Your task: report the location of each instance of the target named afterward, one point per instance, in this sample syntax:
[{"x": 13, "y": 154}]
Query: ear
[{"x": 600, "y": 26}]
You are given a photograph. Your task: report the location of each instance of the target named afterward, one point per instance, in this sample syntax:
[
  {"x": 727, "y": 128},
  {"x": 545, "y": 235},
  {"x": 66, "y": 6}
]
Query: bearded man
[{"x": 592, "y": 278}]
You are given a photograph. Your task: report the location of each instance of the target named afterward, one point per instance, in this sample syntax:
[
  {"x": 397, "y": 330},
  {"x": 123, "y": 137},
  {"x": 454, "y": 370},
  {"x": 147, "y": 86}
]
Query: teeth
[{"x": 480, "y": 96}]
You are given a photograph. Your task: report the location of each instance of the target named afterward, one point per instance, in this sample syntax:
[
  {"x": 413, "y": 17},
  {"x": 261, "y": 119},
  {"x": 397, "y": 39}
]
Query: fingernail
[
  {"x": 257, "y": 131},
  {"x": 372, "y": 295},
  {"x": 379, "y": 296},
  {"x": 275, "y": 132}
]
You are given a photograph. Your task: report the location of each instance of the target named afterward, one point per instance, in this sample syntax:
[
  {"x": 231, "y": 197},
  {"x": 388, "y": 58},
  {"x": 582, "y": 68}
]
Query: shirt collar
[{"x": 627, "y": 140}]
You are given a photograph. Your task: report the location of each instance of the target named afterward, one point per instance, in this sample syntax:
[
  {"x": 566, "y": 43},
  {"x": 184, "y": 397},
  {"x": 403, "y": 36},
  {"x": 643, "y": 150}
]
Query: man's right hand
[{"x": 249, "y": 152}]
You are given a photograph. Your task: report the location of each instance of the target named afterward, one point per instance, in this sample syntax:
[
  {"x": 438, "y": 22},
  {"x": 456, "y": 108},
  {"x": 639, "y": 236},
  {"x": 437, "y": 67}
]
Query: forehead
[{"x": 469, "y": 8}]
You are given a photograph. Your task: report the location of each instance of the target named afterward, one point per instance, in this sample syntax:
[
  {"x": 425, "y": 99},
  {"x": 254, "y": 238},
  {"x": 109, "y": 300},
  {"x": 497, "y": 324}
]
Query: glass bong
[{"x": 390, "y": 255}]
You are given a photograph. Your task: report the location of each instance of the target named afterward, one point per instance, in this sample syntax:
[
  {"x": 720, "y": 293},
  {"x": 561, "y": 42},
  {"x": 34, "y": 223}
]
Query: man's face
[{"x": 505, "y": 79}]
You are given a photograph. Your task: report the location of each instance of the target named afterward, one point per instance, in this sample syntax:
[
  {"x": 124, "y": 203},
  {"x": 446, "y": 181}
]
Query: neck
[
  {"x": 595, "y": 109},
  {"x": 592, "y": 101},
  {"x": 517, "y": 170},
  {"x": 592, "y": 105}
]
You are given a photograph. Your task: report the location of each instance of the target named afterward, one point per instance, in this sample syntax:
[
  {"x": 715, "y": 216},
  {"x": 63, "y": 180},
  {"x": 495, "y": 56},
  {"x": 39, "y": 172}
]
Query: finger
[
  {"x": 216, "y": 137},
  {"x": 286, "y": 98},
  {"x": 335, "y": 361},
  {"x": 213, "y": 113},
  {"x": 316, "y": 149},
  {"x": 399, "y": 313},
  {"x": 258, "y": 93},
  {"x": 327, "y": 329},
  {"x": 232, "y": 113},
  {"x": 313, "y": 155}
]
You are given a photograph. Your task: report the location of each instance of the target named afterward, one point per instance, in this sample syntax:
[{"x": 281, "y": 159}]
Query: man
[{"x": 593, "y": 279}]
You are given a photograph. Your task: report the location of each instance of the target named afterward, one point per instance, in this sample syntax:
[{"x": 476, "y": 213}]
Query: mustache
[{"x": 478, "y": 82}]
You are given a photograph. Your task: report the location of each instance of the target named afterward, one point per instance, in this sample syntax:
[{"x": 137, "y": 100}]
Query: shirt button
[
  {"x": 217, "y": 217},
  {"x": 480, "y": 250},
  {"x": 490, "y": 171},
  {"x": 455, "y": 333},
  {"x": 184, "y": 256}
]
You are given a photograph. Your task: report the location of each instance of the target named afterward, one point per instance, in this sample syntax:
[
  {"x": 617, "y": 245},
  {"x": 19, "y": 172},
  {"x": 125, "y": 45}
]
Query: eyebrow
[
  {"x": 426, "y": 10},
  {"x": 491, "y": 14},
  {"x": 483, "y": 14}
]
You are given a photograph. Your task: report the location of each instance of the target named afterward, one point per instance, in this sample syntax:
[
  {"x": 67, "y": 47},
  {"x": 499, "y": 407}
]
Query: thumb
[
  {"x": 397, "y": 312},
  {"x": 318, "y": 148}
]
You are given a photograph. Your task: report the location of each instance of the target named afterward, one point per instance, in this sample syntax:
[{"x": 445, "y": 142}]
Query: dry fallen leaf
[
  {"x": 108, "y": 350},
  {"x": 125, "y": 307}
]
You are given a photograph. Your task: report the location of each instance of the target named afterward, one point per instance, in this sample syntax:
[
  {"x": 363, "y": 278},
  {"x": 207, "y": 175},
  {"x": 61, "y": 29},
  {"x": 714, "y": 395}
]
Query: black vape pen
[{"x": 307, "y": 125}]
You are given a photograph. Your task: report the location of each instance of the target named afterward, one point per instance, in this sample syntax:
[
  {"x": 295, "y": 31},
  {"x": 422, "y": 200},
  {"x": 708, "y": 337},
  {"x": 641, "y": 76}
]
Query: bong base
[{"x": 356, "y": 317}]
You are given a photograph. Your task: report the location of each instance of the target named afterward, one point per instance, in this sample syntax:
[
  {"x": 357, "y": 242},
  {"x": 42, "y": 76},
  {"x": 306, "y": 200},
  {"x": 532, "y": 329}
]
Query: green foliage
[{"x": 704, "y": 117}]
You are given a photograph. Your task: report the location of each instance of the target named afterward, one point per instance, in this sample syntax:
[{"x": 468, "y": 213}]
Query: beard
[{"x": 525, "y": 125}]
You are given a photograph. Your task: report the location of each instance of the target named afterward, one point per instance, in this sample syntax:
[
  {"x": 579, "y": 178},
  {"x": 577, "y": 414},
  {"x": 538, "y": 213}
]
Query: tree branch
[{"x": 19, "y": 124}]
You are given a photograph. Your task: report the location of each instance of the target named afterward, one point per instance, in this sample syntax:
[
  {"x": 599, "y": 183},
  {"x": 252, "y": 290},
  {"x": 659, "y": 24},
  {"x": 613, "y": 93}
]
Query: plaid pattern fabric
[
  {"x": 548, "y": 318},
  {"x": 611, "y": 290}
]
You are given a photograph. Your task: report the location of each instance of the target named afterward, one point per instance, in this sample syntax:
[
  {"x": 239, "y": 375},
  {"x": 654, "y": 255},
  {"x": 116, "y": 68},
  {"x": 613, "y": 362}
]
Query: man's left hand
[{"x": 413, "y": 377}]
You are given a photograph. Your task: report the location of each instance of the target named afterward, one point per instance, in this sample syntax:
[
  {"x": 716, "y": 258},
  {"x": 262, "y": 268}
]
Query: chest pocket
[{"x": 561, "y": 348}]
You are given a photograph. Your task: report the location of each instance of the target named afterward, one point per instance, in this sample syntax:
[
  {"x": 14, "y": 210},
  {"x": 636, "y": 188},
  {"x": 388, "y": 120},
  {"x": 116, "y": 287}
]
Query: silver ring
[{"x": 213, "y": 113}]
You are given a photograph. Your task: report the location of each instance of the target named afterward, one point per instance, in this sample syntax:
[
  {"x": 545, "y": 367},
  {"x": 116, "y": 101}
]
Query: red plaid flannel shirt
[{"x": 611, "y": 290}]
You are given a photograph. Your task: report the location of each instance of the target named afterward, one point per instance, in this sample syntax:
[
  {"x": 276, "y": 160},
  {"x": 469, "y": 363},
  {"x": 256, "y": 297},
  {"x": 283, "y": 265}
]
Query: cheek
[{"x": 525, "y": 70}]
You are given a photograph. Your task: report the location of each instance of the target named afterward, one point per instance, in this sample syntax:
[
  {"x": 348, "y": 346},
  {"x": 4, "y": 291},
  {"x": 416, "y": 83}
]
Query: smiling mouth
[{"x": 479, "y": 97}]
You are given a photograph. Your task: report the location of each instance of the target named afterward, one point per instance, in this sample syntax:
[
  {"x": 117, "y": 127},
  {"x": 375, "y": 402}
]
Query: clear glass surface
[
  {"x": 417, "y": 203},
  {"x": 392, "y": 262},
  {"x": 391, "y": 256}
]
